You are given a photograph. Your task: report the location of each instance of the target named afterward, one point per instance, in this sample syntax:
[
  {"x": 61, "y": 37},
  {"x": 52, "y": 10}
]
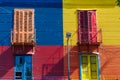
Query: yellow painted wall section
[
  {"x": 108, "y": 18},
  {"x": 90, "y": 2}
]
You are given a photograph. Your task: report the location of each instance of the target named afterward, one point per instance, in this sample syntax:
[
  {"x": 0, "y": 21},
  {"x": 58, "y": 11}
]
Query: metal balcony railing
[
  {"x": 23, "y": 37},
  {"x": 89, "y": 36}
]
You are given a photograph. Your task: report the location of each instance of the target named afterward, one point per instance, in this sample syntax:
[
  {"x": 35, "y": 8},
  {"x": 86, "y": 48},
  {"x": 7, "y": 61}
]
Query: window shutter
[
  {"x": 87, "y": 26},
  {"x": 83, "y": 26},
  {"x": 94, "y": 27},
  {"x": 23, "y": 25}
]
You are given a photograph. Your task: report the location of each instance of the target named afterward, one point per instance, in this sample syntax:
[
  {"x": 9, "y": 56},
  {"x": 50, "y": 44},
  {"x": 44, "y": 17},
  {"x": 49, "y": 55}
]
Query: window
[
  {"x": 89, "y": 67},
  {"x": 87, "y": 32},
  {"x": 23, "y": 25}
]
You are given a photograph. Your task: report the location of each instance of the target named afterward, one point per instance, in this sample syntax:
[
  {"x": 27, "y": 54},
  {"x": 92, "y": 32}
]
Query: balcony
[
  {"x": 87, "y": 37},
  {"x": 23, "y": 42},
  {"x": 23, "y": 38}
]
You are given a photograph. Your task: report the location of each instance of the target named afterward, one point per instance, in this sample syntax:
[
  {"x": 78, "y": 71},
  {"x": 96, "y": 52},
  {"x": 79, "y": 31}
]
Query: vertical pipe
[
  {"x": 68, "y": 58},
  {"x": 68, "y": 35}
]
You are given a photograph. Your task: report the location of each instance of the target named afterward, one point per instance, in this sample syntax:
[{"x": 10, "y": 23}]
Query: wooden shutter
[
  {"x": 23, "y": 25},
  {"x": 87, "y": 26},
  {"x": 83, "y": 26},
  {"x": 94, "y": 27}
]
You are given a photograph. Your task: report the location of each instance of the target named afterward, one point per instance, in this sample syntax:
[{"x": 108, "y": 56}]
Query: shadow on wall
[
  {"x": 54, "y": 66},
  {"x": 6, "y": 63},
  {"x": 6, "y": 59},
  {"x": 54, "y": 69},
  {"x": 57, "y": 69}
]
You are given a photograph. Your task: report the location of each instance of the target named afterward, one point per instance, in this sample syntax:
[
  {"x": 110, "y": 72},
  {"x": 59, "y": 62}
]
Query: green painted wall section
[{"x": 108, "y": 19}]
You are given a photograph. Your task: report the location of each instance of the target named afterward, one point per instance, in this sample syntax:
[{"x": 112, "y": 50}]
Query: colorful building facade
[{"x": 33, "y": 43}]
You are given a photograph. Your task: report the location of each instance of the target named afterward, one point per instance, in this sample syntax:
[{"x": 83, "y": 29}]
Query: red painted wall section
[
  {"x": 23, "y": 49},
  {"x": 74, "y": 63},
  {"x": 48, "y": 63},
  {"x": 6, "y": 63}
]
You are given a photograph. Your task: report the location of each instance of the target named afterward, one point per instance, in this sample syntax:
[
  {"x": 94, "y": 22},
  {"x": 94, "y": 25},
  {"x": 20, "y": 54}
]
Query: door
[
  {"x": 23, "y": 67},
  {"x": 89, "y": 67}
]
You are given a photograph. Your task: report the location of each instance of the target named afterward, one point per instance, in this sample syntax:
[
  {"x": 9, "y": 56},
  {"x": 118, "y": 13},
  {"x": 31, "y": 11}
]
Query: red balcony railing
[{"x": 89, "y": 36}]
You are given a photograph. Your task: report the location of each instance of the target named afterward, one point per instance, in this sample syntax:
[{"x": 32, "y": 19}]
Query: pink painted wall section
[
  {"x": 20, "y": 49},
  {"x": 48, "y": 63},
  {"x": 6, "y": 63}
]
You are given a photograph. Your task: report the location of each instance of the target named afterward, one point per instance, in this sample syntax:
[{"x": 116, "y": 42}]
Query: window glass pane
[
  {"x": 93, "y": 66},
  {"x": 89, "y": 67},
  {"x": 85, "y": 71}
]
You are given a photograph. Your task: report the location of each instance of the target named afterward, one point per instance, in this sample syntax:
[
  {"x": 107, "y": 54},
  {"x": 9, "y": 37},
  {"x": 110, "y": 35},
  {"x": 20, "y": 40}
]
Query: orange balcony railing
[{"x": 19, "y": 38}]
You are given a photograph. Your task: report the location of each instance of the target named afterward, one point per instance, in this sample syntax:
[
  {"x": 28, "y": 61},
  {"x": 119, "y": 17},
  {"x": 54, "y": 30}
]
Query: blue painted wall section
[
  {"x": 2, "y": 1},
  {"x": 48, "y": 20}
]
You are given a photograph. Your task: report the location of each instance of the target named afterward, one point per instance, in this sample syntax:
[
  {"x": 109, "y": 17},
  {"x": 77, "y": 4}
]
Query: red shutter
[
  {"x": 94, "y": 27},
  {"x": 79, "y": 27},
  {"x": 83, "y": 26},
  {"x": 87, "y": 32}
]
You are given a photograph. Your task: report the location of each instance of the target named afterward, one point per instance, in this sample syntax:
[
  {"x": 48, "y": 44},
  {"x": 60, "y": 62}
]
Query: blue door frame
[{"x": 23, "y": 67}]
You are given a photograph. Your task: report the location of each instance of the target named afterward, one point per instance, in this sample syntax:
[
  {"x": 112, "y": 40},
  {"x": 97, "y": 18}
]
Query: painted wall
[
  {"x": 48, "y": 58},
  {"x": 52, "y": 20},
  {"x": 108, "y": 19}
]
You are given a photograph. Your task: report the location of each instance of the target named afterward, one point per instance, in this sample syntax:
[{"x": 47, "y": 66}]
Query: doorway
[{"x": 23, "y": 67}]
